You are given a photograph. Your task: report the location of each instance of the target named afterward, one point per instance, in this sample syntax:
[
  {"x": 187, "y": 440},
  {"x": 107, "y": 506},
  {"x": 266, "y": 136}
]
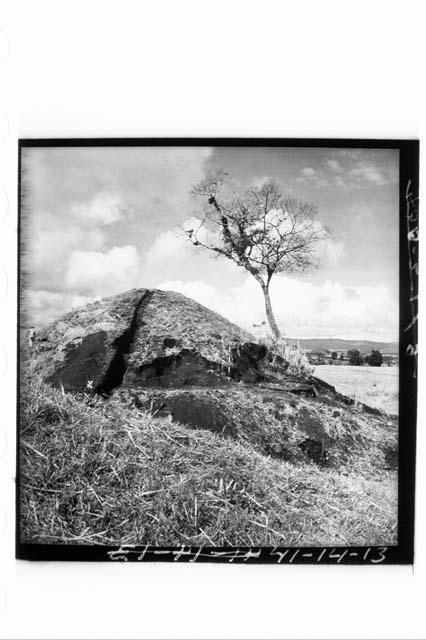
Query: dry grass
[
  {"x": 277, "y": 423},
  {"x": 292, "y": 353},
  {"x": 111, "y": 474},
  {"x": 171, "y": 314},
  {"x": 375, "y": 386}
]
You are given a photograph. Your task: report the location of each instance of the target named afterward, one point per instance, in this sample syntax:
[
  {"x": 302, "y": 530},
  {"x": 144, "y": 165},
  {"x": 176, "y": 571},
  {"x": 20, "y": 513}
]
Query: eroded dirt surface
[
  {"x": 82, "y": 362},
  {"x": 277, "y": 422}
]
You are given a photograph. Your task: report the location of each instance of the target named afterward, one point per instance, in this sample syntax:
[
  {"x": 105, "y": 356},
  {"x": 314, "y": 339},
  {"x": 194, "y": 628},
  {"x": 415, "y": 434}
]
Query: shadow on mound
[
  {"x": 247, "y": 361},
  {"x": 198, "y": 413},
  {"x": 82, "y": 362},
  {"x": 117, "y": 368},
  {"x": 187, "y": 367}
]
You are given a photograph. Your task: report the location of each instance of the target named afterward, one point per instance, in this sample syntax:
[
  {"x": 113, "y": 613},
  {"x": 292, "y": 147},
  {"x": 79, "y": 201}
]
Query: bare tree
[{"x": 259, "y": 229}]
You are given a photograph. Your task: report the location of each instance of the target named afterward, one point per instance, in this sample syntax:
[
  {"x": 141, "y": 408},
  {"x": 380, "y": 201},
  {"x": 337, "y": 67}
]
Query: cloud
[
  {"x": 104, "y": 208},
  {"x": 353, "y": 169},
  {"x": 368, "y": 172},
  {"x": 172, "y": 253},
  {"x": 258, "y": 182},
  {"x": 333, "y": 252},
  {"x": 103, "y": 273},
  {"x": 309, "y": 172},
  {"x": 335, "y": 171},
  {"x": 351, "y": 293},
  {"x": 92, "y": 199},
  {"x": 48, "y": 245},
  {"x": 334, "y": 165},
  {"x": 340, "y": 182},
  {"x": 51, "y": 239},
  {"x": 312, "y": 176},
  {"x": 42, "y": 307},
  {"x": 303, "y": 309},
  {"x": 169, "y": 252},
  {"x": 166, "y": 246},
  {"x": 174, "y": 245}
]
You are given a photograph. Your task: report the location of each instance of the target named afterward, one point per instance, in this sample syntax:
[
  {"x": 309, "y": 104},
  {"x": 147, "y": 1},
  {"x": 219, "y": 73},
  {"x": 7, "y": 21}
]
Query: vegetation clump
[{"x": 375, "y": 359}]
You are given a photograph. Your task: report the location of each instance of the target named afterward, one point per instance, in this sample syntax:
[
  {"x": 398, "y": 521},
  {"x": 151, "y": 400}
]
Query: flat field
[{"x": 375, "y": 386}]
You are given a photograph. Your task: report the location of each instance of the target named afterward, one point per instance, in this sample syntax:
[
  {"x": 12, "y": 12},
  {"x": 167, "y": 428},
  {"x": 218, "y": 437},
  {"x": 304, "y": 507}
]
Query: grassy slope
[
  {"x": 110, "y": 473},
  {"x": 172, "y": 315}
]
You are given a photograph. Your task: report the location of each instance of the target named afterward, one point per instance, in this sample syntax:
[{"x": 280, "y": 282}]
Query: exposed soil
[
  {"x": 117, "y": 368},
  {"x": 82, "y": 362},
  {"x": 185, "y": 368},
  {"x": 197, "y": 412}
]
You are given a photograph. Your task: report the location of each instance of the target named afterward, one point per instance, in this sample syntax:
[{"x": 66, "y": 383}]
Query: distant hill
[{"x": 338, "y": 344}]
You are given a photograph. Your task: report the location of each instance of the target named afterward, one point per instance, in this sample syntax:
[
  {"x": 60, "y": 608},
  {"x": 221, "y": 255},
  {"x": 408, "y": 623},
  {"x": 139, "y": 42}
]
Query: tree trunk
[{"x": 269, "y": 313}]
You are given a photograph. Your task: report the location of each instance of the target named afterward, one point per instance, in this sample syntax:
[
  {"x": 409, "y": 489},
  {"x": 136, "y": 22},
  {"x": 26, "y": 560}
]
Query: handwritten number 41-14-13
[{"x": 373, "y": 555}]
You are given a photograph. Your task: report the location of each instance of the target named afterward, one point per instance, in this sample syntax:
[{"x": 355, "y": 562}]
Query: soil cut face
[
  {"x": 113, "y": 377},
  {"x": 83, "y": 362}
]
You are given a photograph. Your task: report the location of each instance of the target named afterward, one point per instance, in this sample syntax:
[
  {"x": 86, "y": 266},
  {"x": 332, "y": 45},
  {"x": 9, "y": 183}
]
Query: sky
[{"x": 97, "y": 221}]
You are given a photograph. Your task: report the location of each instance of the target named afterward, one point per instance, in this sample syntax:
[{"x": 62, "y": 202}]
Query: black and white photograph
[
  {"x": 211, "y": 359},
  {"x": 210, "y": 348}
]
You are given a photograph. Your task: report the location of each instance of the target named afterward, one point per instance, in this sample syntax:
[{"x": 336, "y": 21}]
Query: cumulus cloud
[
  {"x": 103, "y": 273},
  {"x": 165, "y": 246},
  {"x": 340, "y": 182},
  {"x": 303, "y": 309},
  {"x": 173, "y": 246},
  {"x": 353, "y": 170},
  {"x": 52, "y": 242},
  {"x": 309, "y": 172},
  {"x": 172, "y": 253},
  {"x": 42, "y": 307},
  {"x": 259, "y": 181},
  {"x": 52, "y": 239},
  {"x": 334, "y": 165},
  {"x": 48, "y": 245},
  {"x": 369, "y": 172},
  {"x": 104, "y": 208},
  {"x": 312, "y": 176},
  {"x": 92, "y": 199},
  {"x": 169, "y": 252},
  {"x": 333, "y": 252}
]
